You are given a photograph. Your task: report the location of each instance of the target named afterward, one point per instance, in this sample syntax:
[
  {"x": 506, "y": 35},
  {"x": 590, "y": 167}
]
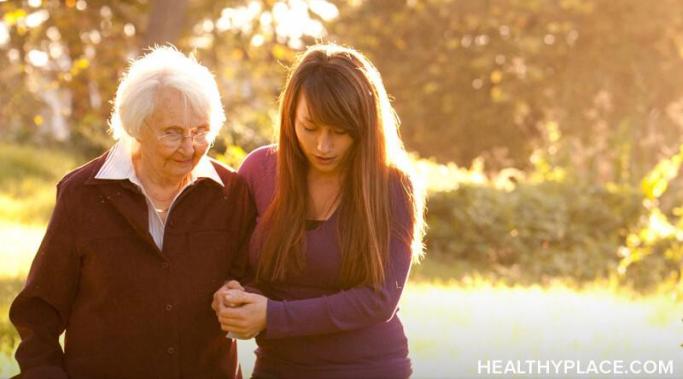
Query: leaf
[
  {"x": 656, "y": 182},
  {"x": 496, "y": 76},
  {"x": 14, "y": 16}
]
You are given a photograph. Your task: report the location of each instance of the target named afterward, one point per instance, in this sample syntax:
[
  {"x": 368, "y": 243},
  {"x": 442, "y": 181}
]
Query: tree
[
  {"x": 483, "y": 77},
  {"x": 65, "y": 59},
  {"x": 166, "y": 22}
]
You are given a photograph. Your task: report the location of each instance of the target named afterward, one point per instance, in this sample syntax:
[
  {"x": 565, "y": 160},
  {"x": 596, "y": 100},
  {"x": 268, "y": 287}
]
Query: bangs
[
  {"x": 194, "y": 98},
  {"x": 332, "y": 100}
]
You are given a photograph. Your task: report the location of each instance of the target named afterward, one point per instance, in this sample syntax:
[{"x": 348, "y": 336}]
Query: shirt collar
[{"x": 119, "y": 166}]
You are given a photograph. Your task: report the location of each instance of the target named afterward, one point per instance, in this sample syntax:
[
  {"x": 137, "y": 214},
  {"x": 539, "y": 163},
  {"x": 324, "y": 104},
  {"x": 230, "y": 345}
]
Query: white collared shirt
[{"x": 119, "y": 166}]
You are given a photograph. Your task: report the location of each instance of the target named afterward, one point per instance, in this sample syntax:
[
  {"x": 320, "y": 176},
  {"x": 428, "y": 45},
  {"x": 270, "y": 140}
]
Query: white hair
[{"x": 164, "y": 67}]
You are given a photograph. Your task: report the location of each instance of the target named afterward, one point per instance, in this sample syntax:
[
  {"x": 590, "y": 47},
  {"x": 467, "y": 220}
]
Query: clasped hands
[{"x": 240, "y": 313}]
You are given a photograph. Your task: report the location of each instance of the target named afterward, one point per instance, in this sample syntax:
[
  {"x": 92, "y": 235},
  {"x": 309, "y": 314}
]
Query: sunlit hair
[
  {"x": 164, "y": 67},
  {"x": 342, "y": 89}
]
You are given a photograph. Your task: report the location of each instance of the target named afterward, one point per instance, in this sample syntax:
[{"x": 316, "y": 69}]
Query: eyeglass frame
[{"x": 200, "y": 131}]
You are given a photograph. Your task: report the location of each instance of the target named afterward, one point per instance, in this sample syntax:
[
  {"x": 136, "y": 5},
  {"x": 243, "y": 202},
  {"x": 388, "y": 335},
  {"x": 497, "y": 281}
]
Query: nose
[
  {"x": 324, "y": 143},
  {"x": 187, "y": 145}
]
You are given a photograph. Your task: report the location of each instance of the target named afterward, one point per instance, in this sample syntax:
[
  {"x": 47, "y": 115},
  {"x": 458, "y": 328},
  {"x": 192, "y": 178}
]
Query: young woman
[{"x": 339, "y": 224}]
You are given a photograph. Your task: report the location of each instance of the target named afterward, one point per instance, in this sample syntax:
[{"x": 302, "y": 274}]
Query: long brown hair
[{"x": 342, "y": 88}]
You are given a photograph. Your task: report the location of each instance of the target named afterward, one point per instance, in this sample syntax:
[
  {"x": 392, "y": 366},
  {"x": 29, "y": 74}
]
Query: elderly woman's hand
[
  {"x": 247, "y": 320},
  {"x": 218, "y": 297}
]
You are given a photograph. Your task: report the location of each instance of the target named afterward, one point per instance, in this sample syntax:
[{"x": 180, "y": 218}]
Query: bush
[
  {"x": 22, "y": 161},
  {"x": 544, "y": 230}
]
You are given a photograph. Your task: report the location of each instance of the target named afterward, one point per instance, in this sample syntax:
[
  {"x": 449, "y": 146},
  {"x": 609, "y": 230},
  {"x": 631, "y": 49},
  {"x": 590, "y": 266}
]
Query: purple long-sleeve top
[{"x": 315, "y": 327}]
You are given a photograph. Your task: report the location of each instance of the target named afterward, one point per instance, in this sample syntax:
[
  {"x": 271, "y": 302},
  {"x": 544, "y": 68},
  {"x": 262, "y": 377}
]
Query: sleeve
[
  {"x": 255, "y": 166},
  {"x": 244, "y": 225},
  {"x": 357, "y": 307},
  {"x": 41, "y": 310},
  {"x": 257, "y": 170}
]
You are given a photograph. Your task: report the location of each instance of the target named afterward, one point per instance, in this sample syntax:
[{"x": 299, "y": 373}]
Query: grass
[
  {"x": 9, "y": 287},
  {"x": 20, "y": 243},
  {"x": 27, "y": 182},
  {"x": 450, "y": 326},
  {"x": 453, "y": 323},
  {"x": 28, "y": 176}
]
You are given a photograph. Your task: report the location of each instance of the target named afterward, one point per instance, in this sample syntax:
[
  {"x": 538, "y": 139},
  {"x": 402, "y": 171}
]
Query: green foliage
[
  {"x": 64, "y": 61},
  {"x": 536, "y": 231},
  {"x": 654, "y": 246},
  {"x": 470, "y": 78},
  {"x": 552, "y": 223},
  {"x": 657, "y": 181},
  {"x": 480, "y": 78},
  {"x": 18, "y": 162},
  {"x": 563, "y": 91},
  {"x": 526, "y": 227},
  {"x": 233, "y": 156}
]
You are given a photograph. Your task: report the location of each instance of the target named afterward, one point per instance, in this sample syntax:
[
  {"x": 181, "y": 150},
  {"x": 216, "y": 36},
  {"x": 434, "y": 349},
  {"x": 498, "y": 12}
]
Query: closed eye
[
  {"x": 172, "y": 131},
  {"x": 200, "y": 131},
  {"x": 309, "y": 127}
]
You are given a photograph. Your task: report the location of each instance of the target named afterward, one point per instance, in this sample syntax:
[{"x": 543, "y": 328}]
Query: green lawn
[{"x": 451, "y": 326}]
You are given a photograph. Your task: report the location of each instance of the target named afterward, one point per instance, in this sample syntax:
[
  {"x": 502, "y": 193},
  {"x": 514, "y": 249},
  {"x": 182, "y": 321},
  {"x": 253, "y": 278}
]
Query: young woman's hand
[{"x": 246, "y": 320}]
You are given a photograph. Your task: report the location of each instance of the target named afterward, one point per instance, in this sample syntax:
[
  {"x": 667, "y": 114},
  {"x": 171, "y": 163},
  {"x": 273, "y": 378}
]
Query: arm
[
  {"x": 244, "y": 223},
  {"x": 41, "y": 310},
  {"x": 258, "y": 172},
  {"x": 346, "y": 310}
]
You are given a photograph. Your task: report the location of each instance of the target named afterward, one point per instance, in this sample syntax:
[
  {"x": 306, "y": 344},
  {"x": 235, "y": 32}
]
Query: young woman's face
[{"x": 325, "y": 146}]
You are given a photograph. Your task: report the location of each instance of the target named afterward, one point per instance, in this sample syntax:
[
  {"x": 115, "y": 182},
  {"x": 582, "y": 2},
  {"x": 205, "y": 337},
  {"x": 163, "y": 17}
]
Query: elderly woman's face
[{"x": 173, "y": 138}]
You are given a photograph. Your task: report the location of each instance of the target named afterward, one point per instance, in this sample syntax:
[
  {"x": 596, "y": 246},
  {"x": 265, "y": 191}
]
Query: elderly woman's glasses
[{"x": 172, "y": 138}]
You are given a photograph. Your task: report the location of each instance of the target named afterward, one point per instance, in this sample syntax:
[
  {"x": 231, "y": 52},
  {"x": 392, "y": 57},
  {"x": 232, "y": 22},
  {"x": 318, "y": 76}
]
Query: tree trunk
[{"x": 166, "y": 19}]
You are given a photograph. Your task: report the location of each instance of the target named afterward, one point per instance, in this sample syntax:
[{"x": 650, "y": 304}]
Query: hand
[
  {"x": 247, "y": 320},
  {"x": 218, "y": 301}
]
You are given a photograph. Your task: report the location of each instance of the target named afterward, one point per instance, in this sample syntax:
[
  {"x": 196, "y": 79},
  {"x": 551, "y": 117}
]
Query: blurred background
[{"x": 549, "y": 134}]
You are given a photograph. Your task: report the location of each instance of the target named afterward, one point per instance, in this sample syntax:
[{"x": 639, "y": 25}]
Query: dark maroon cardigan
[{"x": 130, "y": 310}]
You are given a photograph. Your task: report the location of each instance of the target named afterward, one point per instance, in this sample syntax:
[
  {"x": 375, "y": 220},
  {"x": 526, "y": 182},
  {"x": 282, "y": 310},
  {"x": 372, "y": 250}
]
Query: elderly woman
[{"x": 139, "y": 240}]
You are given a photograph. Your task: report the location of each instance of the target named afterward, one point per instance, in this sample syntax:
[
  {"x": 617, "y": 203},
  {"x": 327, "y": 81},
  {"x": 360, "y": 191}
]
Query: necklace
[
  {"x": 333, "y": 205},
  {"x": 167, "y": 200},
  {"x": 328, "y": 208},
  {"x": 324, "y": 194}
]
